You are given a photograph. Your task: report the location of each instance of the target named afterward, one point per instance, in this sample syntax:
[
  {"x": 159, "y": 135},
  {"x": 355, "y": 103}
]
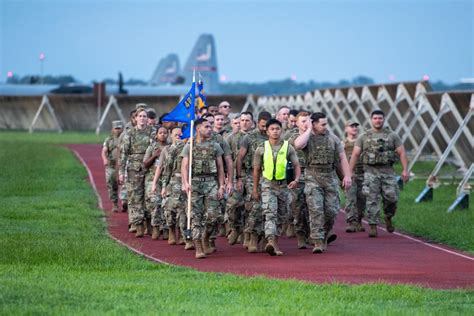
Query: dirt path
[{"x": 352, "y": 258}]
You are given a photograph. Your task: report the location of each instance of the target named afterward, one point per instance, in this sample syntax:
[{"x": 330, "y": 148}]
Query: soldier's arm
[
  {"x": 354, "y": 157},
  {"x": 404, "y": 161},
  {"x": 257, "y": 170},
  {"x": 124, "y": 151},
  {"x": 347, "y": 180},
  {"x": 302, "y": 140},
  {"x": 220, "y": 177},
  {"x": 184, "y": 174},
  {"x": 103, "y": 154}
]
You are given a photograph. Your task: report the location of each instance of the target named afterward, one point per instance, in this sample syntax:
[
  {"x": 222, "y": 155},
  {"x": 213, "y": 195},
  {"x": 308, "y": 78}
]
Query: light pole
[{"x": 41, "y": 59}]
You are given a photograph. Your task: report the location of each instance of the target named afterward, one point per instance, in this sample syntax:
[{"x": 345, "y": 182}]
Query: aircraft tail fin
[{"x": 167, "y": 71}]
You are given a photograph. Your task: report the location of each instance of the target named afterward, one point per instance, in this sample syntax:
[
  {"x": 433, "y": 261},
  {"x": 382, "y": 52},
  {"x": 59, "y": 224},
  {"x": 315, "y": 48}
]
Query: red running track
[{"x": 352, "y": 258}]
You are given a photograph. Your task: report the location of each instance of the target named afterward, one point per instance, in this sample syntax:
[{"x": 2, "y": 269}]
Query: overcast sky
[{"x": 256, "y": 41}]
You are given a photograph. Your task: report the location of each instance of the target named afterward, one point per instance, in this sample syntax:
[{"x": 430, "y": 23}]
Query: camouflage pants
[
  {"x": 174, "y": 205},
  {"x": 299, "y": 208},
  {"x": 205, "y": 208},
  {"x": 355, "y": 200},
  {"x": 153, "y": 210},
  {"x": 380, "y": 183},
  {"x": 136, "y": 196},
  {"x": 234, "y": 210},
  {"x": 112, "y": 183},
  {"x": 322, "y": 197},
  {"x": 253, "y": 209},
  {"x": 274, "y": 206}
]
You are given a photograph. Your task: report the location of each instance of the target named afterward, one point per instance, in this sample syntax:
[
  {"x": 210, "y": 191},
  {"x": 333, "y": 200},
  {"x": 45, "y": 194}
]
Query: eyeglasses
[{"x": 225, "y": 106}]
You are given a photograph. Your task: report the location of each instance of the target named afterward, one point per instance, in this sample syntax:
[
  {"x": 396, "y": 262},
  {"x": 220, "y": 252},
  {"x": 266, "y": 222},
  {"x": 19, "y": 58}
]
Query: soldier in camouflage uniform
[
  {"x": 174, "y": 199},
  {"x": 225, "y": 108},
  {"x": 253, "y": 225},
  {"x": 207, "y": 187},
  {"x": 323, "y": 152},
  {"x": 355, "y": 200},
  {"x": 154, "y": 213},
  {"x": 110, "y": 154},
  {"x": 235, "y": 203},
  {"x": 298, "y": 206},
  {"x": 271, "y": 160},
  {"x": 134, "y": 145},
  {"x": 378, "y": 149}
]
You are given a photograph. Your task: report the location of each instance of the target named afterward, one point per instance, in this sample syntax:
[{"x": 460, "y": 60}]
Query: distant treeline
[{"x": 277, "y": 87}]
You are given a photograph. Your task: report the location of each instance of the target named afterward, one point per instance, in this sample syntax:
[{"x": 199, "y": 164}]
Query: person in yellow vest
[{"x": 271, "y": 160}]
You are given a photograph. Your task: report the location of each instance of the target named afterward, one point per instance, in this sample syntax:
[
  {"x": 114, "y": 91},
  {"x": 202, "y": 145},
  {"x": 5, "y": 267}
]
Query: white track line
[{"x": 91, "y": 180}]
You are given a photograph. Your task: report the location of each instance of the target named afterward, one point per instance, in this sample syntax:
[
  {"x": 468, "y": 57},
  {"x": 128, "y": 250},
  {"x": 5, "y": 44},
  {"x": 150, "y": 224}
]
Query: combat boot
[
  {"x": 180, "y": 240},
  {"x": 290, "y": 231},
  {"x": 272, "y": 247},
  {"x": 199, "y": 250},
  {"x": 155, "y": 233},
  {"x": 352, "y": 227},
  {"x": 189, "y": 245},
  {"x": 300, "y": 237},
  {"x": 140, "y": 230},
  {"x": 212, "y": 244},
  {"x": 246, "y": 240},
  {"x": 165, "y": 233},
  {"x": 206, "y": 246},
  {"x": 115, "y": 208},
  {"x": 360, "y": 227},
  {"x": 253, "y": 243},
  {"x": 330, "y": 237},
  {"x": 124, "y": 205},
  {"x": 373, "y": 230},
  {"x": 172, "y": 236},
  {"x": 132, "y": 229},
  {"x": 221, "y": 231},
  {"x": 389, "y": 224},
  {"x": 318, "y": 246},
  {"x": 233, "y": 236},
  {"x": 261, "y": 244},
  {"x": 148, "y": 228}
]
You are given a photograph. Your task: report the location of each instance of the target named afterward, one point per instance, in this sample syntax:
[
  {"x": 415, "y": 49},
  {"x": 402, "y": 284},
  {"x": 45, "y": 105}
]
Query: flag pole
[{"x": 191, "y": 136}]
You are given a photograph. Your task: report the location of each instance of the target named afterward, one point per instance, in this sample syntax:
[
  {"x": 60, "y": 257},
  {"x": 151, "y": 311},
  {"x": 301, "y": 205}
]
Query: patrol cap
[
  {"x": 351, "y": 122},
  {"x": 140, "y": 106},
  {"x": 117, "y": 124},
  {"x": 151, "y": 113}
]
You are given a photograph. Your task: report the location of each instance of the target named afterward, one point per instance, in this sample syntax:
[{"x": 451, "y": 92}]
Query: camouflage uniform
[
  {"x": 133, "y": 150},
  {"x": 298, "y": 206},
  {"x": 153, "y": 199},
  {"x": 111, "y": 144},
  {"x": 253, "y": 209},
  {"x": 378, "y": 156},
  {"x": 174, "y": 204},
  {"x": 321, "y": 190},
  {"x": 355, "y": 200},
  {"x": 235, "y": 203},
  {"x": 123, "y": 188},
  {"x": 274, "y": 193},
  {"x": 205, "y": 205}
]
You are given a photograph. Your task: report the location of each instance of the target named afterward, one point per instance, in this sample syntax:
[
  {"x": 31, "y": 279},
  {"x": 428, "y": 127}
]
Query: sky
[{"x": 256, "y": 41}]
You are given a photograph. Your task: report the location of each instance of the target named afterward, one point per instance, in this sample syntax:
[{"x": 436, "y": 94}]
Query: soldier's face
[
  {"x": 274, "y": 131},
  {"x": 213, "y": 109},
  {"x": 245, "y": 122},
  {"x": 162, "y": 135},
  {"x": 291, "y": 121},
  {"x": 117, "y": 131},
  {"x": 151, "y": 122},
  {"x": 352, "y": 130},
  {"x": 224, "y": 109},
  {"x": 142, "y": 119},
  {"x": 302, "y": 123},
  {"x": 219, "y": 121},
  {"x": 236, "y": 124},
  {"x": 283, "y": 115},
  {"x": 205, "y": 129},
  {"x": 377, "y": 121},
  {"x": 262, "y": 126},
  {"x": 321, "y": 126},
  {"x": 176, "y": 134}
]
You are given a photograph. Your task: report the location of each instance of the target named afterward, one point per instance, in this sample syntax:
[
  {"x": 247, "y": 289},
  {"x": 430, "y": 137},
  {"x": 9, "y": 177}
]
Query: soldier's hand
[
  {"x": 229, "y": 188},
  {"x": 106, "y": 163},
  {"x": 220, "y": 192},
  {"x": 240, "y": 185},
  {"x": 186, "y": 188},
  {"x": 163, "y": 193},
  {"x": 255, "y": 195},
  {"x": 153, "y": 187},
  {"x": 293, "y": 184},
  {"x": 405, "y": 175},
  {"x": 121, "y": 179},
  {"x": 346, "y": 183}
]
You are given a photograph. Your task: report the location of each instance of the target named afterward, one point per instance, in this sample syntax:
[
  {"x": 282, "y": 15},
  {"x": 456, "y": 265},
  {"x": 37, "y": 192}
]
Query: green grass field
[{"x": 56, "y": 258}]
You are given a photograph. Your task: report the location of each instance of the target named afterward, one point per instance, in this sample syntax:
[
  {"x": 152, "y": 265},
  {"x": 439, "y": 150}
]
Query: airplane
[{"x": 167, "y": 79}]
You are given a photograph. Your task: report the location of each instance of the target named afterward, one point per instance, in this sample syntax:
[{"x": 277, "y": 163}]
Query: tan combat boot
[
  {"x": 389, "y": 224},
  {"x": 180, "y": 240},
  {"x": 148, "y": 228},
  {"x": 199, "y": 249},
  {"x": 318, "y": 246},
  {"x": 252, "y": 248},
  {"x": 233, "y": 236},
  {"x": 206, "y": 245},
  {"x": 301, "y": 238},
  {"x": 155, "y": 233},
  {"x": 290, "y": 231},
  {"x": 132, "y": 229},
  {"x": 140, "y": 230},
  {"x": 352, "y": 227},
  {"x": 115, "y": 209},
  {"x": 330, "y": 237},
  {"x": 272, "y": 247},
  {"x": 172, "y": 236},
  {"x": 124, "y": 206},
  {"x": 165, "y": 234},
  {"x": 189, "y": 245},
  {"x": 373, "y": 230},
  {"x": 360, "y": 228},
  {"x": 246, "y": 240}
]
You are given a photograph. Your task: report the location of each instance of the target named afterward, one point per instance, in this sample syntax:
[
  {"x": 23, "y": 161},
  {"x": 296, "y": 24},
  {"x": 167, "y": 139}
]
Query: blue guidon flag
[{"x": 184, "y": 111}]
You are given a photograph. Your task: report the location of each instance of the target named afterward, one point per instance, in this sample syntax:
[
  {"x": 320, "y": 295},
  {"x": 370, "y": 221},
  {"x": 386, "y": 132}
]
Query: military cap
[
  {"x": 117, "y": 124},
  {"x": 141, "y": 106},
  {"x": 351, "y": 122},
  {"x": 151, "y": 113}
]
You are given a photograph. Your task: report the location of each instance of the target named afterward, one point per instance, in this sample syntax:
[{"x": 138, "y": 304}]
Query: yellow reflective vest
[{"x": 276, "y": 171}]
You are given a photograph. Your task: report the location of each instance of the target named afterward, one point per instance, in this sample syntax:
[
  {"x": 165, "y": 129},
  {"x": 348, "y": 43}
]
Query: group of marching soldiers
[{"x": 252, "y": 179}]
